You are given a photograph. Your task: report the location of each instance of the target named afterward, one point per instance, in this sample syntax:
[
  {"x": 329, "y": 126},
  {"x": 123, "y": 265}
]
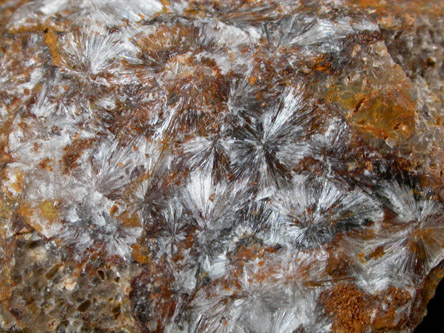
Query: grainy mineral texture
[{"x": 220, "y": 166}]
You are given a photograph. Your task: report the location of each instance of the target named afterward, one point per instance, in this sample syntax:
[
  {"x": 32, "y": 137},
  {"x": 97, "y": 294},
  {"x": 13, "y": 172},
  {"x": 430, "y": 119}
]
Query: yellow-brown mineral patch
[
  {"x": 385, "y": 115},
  {"x": 48, "y": 210}
]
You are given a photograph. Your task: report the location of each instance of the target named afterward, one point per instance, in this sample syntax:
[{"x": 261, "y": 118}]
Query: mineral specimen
[{"x": 220, "y": 166}]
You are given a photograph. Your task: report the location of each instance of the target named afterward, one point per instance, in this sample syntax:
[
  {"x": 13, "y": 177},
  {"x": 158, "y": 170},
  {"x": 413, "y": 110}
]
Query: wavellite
[{"x": 220, "y": 166}]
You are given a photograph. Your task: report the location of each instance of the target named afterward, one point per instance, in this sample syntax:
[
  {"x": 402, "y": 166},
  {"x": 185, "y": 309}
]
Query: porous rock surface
[{"x": 220, "y": 166}]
